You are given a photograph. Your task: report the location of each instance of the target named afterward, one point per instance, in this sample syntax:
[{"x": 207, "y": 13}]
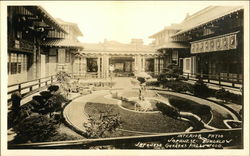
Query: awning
[
  {"x": 62, "y": 43},
  {"x": 217, "y": 43}
]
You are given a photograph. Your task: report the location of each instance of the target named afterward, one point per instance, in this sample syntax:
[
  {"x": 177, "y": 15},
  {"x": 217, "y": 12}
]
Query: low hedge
[
  {"x": 178, "y": 86},
  {"x": 200, "y": 89}
]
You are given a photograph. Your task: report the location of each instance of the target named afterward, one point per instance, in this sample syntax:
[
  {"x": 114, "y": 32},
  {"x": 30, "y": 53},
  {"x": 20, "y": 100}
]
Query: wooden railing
[
  {"x": 29, "y": 87},
  {"x": 219, "y": 79},
  {"x": 85, "y": 75},
  {"x": 232, "y": 136},
  {"x": 21, "y": 44}
]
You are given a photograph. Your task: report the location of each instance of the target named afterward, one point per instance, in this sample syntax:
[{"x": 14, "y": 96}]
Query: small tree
[
  {"x": 200, "y": 89},
  {"x": 63, "y": 79},
  {"x": 172, "y": 72}
]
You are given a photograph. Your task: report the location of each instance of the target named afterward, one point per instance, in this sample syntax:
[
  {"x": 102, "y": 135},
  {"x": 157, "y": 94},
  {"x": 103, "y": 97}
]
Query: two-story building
[
  {"x": 216, "y": 41},
  {"x": 61, "y": 49},
  {"x": 208, "y": 43},
  {"x": 172, "y": 51},
  {"x": 27, "y": 27},
  {"x": 38, "y": 44}
]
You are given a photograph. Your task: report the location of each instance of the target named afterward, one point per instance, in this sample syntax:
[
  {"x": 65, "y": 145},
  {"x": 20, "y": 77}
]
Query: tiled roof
[
  {"x": 75, "y": 26},
  {"x": 206, "y": 15},
  {"x": 62, "y": 43},
  {"x": 116, "y": 47}
]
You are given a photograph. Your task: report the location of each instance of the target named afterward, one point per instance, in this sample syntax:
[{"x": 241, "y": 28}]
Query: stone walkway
[{"x": 74, "y": 112}]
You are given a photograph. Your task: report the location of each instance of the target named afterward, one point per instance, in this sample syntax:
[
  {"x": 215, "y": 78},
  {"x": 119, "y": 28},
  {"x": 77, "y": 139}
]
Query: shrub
[
  {"x": 141, "y": 80},
  {"x": 222, "y": 94},
  {"x": 152, "y": 83},
  {"x": 173, "y": 70},
  {"x": 53, "y": 88},
  {"x": 62, "y": 77},
  {"x": 37, "y": 128},
  {"x": 102, "y": 125},
  {"x": 54, "y": 104},
  {"x": 228, "y": 96},
  {"x": 16, "y": 117},
  {"x": 46, "y": 94},
  {"x": 38, "y": 103},
  {"x": 200, "y": 89},
  {"x": 178, "y": 86},
  {"x": 16, "y": 99}
]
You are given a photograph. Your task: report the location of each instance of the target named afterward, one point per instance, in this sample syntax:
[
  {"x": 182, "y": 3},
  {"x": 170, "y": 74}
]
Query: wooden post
[
  {"x": 219, "y": 80},
  {"x": 51, "y": 79},
  {"x": 39, "y": 83},
  {"x": 238, "y": 78},
  {"x": 19, "y": 88}
]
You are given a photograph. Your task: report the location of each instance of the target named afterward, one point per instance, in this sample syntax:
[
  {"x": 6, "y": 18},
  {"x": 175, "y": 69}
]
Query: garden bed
[{"x": 139, "y": 122}]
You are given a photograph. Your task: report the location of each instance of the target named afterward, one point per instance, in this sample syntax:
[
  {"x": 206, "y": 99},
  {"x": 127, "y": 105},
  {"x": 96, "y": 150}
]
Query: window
[
  {"x": 149, "y": 65},
  {"x": 92, "y": 65},
  {"x": 17, "y": 63},
  {"x": 61, "y": 56},
  {"x": 175, "y": 57},
  {"x": 188, "y": 64},
  {"x": 67, "y": 56}
]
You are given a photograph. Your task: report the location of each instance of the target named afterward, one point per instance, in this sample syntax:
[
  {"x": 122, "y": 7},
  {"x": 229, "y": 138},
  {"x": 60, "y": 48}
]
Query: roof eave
[
  {"x": 51, "y": 20},
  {"x": 200, "y": 25}
]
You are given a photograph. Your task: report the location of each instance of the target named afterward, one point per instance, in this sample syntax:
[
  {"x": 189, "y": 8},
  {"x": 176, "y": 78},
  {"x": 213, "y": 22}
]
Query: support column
[
  {"x": 32, "y": 68},
  {"x": 84, "y": 65},
  {"x": 194, "y": 65},
  {"x": 98, "y": 66},
  {"x": 143, "y": 63},
  {"x": 104, "y": 66},
  {"x": 107, "y": 66},
  {"x": 139, "y": 63},
  {"x": 156, "y": 65}
]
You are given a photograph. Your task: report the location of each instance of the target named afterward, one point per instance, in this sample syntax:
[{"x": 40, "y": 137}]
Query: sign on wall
[{"x": 218, "y": 43}]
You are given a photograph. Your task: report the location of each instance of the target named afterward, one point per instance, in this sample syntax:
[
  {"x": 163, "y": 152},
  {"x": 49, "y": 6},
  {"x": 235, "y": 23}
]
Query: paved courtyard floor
[{"x": 124, "y": 83}]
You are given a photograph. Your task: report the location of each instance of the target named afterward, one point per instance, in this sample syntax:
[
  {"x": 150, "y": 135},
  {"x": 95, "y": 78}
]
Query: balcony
[{"x": 21, "y": 45}]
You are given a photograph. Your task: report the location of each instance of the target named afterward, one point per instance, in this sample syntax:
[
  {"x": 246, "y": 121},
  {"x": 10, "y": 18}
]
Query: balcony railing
[{"x": 22, "y": 45}]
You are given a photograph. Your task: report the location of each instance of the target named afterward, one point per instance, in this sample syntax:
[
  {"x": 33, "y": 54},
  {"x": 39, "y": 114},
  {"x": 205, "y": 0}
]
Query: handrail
[
  {"x": 234, "y": 134},
  {"x": 29, "y": 81},
  {"x": 38, "y": 82},
  {"x": 220, "y": 78}
]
